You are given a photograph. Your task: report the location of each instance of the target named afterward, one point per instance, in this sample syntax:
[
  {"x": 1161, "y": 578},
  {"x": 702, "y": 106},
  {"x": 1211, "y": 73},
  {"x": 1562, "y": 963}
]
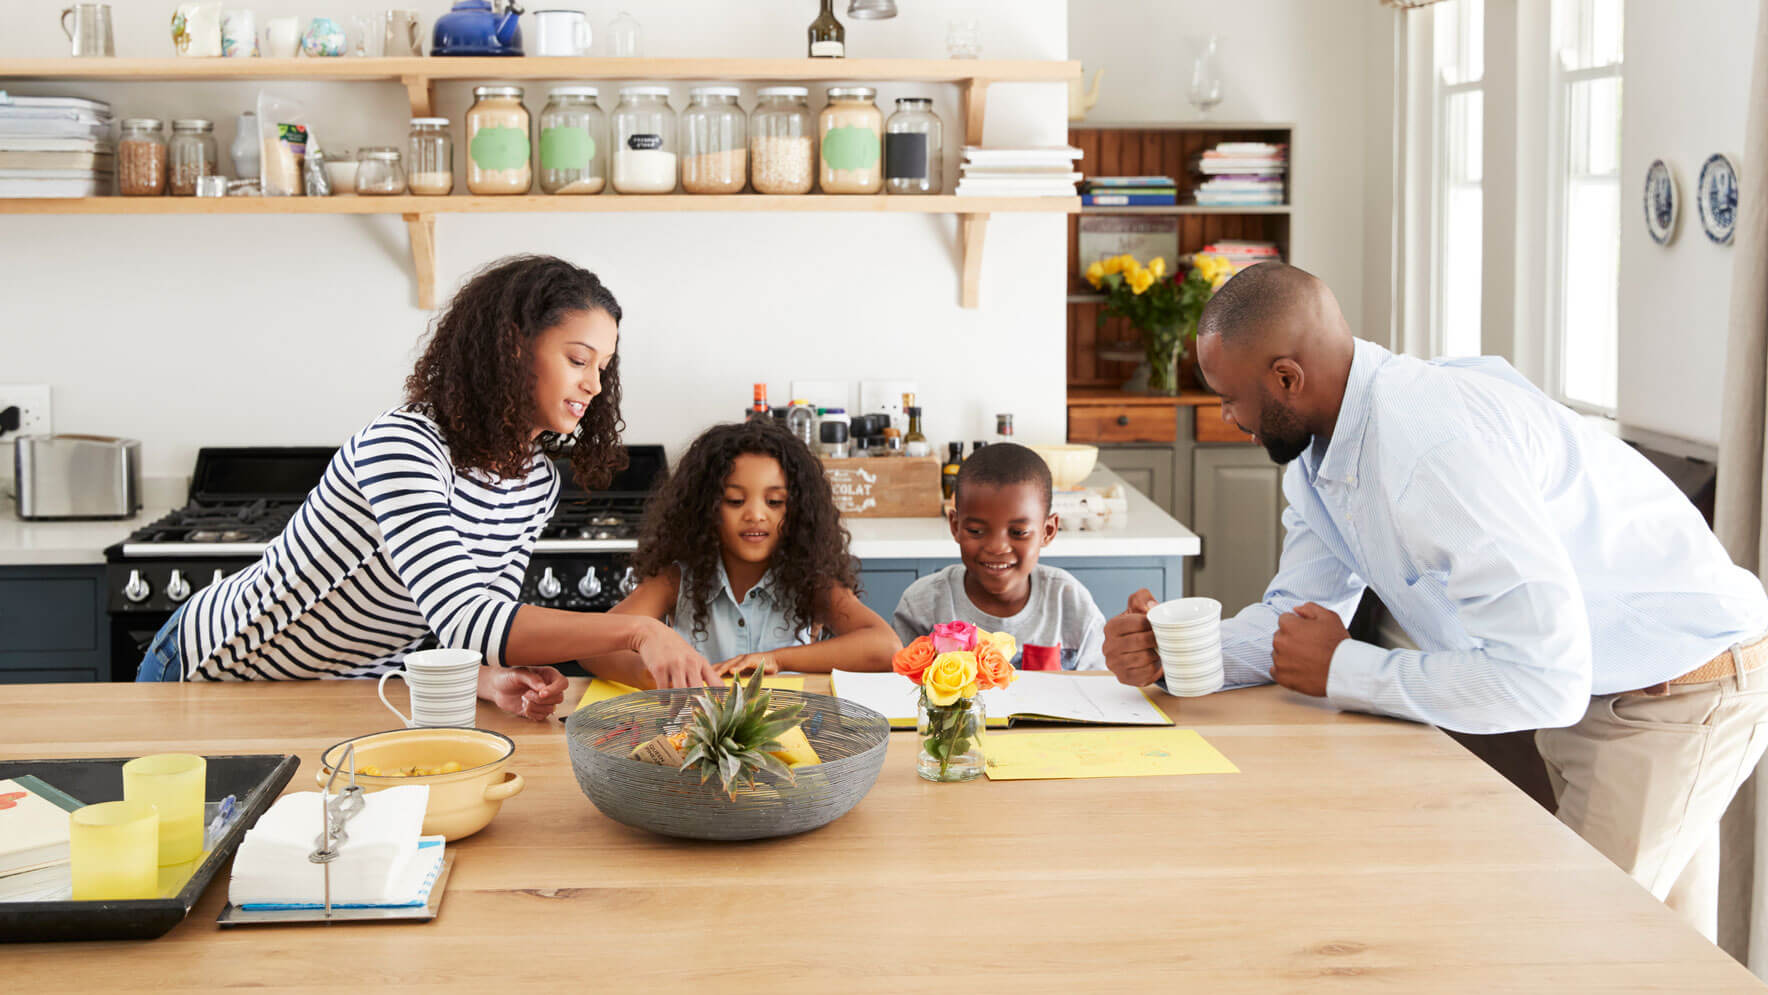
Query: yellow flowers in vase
[{"x": 1165, "y": 310}]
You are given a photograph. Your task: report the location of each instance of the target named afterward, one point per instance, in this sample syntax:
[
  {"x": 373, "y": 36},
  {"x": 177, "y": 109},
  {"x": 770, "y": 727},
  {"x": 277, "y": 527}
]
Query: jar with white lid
[
  {"x": 714, "y": 142},
  {"x": 851, "y": 133},
  {"x": 378, "y": 173},
  {"x": 644, "y": 141},
  {"x": 498, "y": 153},
  {"x": 429, "y": 157},
  {"x": 782, "y": 141},
  {"x": 573, "y": 142}
]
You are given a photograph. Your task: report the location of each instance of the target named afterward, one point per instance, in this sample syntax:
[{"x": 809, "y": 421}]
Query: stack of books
[
  {"x": 34, "y": 841},
  {"x": 1242, "y": 254},
  {"x": 55, "y": 147},
  {"x": 1242, "y": 174},
  {"x": 1033, "y": 172},
  {"x": 1129, "y": 191}
]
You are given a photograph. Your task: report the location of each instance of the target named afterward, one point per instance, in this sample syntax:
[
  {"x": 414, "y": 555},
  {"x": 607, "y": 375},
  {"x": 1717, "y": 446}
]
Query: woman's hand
[
  {"x": 745, "y": 664},
  {"x": 671, "y": 662},
  {"x": 528, "y": 692}
]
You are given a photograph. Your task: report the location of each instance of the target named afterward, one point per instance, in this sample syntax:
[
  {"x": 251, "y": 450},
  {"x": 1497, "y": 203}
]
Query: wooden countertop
[
  {"x": 1190, "y": 397},
  {"x": 1351, "y": 854}
]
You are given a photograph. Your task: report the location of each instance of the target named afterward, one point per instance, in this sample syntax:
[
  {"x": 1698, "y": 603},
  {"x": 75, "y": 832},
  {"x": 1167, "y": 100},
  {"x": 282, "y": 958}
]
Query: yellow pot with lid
[{"x": 462, "y": 801}]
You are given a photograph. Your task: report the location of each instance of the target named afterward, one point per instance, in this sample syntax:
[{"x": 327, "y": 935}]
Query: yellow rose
[
  {"x": 1157, "y": 266},
  {"x": 1128, "y": 262},
  {"x": 1096, "y": 274},
  {"x": 1139, "y": 281},
  {"x": 1111, "y": 265},
  {"x": 952, "y": 676},
  {"x": 1002, "y": 641}
]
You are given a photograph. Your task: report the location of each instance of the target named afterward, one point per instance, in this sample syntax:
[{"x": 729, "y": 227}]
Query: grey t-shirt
[{"x": 1059, "y": 613}]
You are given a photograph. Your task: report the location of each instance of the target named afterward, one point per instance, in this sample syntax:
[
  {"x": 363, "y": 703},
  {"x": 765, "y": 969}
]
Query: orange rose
[
  {"x": 993, "y": 669},
  {"x": 913, "y": 660}
]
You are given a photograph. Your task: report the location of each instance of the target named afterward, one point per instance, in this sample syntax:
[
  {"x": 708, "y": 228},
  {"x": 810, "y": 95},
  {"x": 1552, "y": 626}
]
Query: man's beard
[{"x": 1281, "y": 432}]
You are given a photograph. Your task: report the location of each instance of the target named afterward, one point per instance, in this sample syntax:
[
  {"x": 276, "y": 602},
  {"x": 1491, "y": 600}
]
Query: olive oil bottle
[{"x": 828, "y": 39}]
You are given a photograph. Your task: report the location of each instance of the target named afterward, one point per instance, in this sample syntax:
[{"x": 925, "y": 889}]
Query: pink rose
[{"x": 954, "y": 637}]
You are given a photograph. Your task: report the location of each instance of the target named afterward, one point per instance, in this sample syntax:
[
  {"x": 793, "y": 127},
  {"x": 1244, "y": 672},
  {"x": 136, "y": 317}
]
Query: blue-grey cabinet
[
  {"x": 1110, "y": 579},
  {"x": 53, "y": 627}
]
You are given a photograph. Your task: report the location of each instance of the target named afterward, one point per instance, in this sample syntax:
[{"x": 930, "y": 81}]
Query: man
[{"x": 1554, "y": 579}]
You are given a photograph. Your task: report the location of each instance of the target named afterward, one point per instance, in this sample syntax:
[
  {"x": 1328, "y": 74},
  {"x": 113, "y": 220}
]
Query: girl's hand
[
  {"x": 672, "y": 663},
  {"x": 744, "y": 665},
  {"x": 528, "y": 692}
]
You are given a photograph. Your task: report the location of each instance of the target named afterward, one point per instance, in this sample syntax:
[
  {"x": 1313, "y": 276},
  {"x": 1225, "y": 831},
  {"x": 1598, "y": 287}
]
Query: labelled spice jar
[
  {"x": 141, "y": 158},
  {"x": 782, "y": 141},
  {"x": 498, "y": 154},
  {"x": 644, "y": 141},
  {"x": 851, "y": 133},
  {"x": 914, "y": 153},
  {"x": 190, "y": 155},
  {"x": 573, "y": 142},
  {"x": 429, "y": 157},
  {"x": 714, "y": 142}
]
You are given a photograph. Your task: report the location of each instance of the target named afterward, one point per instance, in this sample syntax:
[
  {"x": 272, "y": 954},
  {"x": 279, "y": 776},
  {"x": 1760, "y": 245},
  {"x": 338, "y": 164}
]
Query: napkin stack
[{"x": 373, "y": 866}]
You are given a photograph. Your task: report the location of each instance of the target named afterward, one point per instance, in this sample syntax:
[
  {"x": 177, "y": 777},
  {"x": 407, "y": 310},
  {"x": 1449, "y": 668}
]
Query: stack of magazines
[
  {"x": 1242, "y": 174},
  {"x": 1035, "y": 172},
  {"x": 55, "y": 147},
  {"x": 1129, "y": 191}
]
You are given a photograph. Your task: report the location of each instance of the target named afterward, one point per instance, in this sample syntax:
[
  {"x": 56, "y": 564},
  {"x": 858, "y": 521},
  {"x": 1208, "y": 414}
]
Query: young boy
[{"x": 1002, "y": 521}]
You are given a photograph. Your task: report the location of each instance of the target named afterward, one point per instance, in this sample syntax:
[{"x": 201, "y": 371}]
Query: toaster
[{"x": 77, "y": 476}]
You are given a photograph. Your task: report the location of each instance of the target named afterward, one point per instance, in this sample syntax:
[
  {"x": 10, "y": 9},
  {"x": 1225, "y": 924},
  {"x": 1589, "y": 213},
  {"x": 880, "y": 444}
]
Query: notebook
[
  {"x": 33, "y": 824},
  {"x": 601, "y": 689},
  {"x": 1036, "y": 696}
]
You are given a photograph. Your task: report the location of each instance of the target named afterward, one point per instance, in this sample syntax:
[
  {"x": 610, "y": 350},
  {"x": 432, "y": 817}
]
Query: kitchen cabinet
[
  {"x": 1110, "y": 579},
  {"x": 53, "y": 628},
  {"x": 1236, "y": 508},
  {"x": 1148, "y": 469}
]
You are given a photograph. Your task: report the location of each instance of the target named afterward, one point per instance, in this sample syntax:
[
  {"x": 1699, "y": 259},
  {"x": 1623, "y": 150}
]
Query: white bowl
[{"x": 1069, "y": 464}]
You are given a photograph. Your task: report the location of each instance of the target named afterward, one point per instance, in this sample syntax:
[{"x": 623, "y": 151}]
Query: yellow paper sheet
[
  {"x": 601, "y": 690},
  {"x": 1102, "y": 753}
]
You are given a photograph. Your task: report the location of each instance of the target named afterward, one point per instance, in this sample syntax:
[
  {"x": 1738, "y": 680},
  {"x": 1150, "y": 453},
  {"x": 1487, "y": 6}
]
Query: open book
[{"x": 1036, "y": 696}]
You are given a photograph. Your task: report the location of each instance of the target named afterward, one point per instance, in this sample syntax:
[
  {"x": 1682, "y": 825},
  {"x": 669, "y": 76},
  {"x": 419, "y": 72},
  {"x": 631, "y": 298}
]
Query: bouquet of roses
[{"x": 952, "y": 665}]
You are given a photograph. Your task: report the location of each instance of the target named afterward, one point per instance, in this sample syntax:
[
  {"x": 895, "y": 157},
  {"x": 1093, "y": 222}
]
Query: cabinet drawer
[
  {"x": 1121, "y": 423},
  {"x": 1211, "y": 428}
]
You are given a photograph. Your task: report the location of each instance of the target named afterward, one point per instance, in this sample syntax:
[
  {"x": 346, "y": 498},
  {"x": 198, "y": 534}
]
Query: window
[
  {"x": 1459, "y": 35},
  {"x": 1585, "y": 194}
]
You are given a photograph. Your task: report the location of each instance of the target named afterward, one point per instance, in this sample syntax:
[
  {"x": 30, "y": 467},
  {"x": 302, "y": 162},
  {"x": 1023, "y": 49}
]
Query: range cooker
[{"x": 240, "y": 499}]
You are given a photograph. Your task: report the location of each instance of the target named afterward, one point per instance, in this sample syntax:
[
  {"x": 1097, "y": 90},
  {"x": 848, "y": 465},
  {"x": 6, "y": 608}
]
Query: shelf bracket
[
  {"x": 423, "y": 257},
  {"x": 972, "y": 230},
  {"x": 975, "y": 110},
  {"x": 422, "y": 91}
]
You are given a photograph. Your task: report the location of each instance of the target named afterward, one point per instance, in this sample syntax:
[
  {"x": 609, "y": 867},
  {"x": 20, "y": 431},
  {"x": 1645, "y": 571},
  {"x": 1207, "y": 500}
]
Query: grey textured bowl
[{"x": 851, "y": 740}]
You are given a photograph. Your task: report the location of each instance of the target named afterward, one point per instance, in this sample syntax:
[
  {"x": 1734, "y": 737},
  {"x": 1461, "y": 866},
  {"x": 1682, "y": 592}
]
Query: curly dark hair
[
  {"x": 476, "y": 376},
  {"x": 681, "y": 522}
]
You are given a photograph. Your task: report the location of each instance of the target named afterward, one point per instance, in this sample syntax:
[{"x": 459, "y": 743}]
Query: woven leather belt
[{"x": 1747, "y": 658}]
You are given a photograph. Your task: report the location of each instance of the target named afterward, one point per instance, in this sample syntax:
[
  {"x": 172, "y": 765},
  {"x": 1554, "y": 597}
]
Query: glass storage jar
[
  {"x": 914, "y": 153},
  {"x": 644, "y": 141},
  {"x": 573, "y": 142},
  {"x": 851, "y": 133},
  {"x": 378, "y": 173},
  {"x": 782, "y": 141},
  {"x": 141, "y": 158},
  {"x": 714, "y": 142},
  {"x": 429, "y": 157},
  {"x": 497, "y": 142},
  {"x": 190, "y": 154}
]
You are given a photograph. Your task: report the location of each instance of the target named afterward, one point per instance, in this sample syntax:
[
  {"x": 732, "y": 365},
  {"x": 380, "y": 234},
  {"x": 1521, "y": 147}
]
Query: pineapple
[{"x": 732, "y": 737}]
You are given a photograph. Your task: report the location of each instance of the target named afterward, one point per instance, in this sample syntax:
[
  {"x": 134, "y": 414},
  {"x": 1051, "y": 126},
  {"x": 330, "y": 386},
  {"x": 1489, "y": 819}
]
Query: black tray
[{"x": 255, "y": 780}]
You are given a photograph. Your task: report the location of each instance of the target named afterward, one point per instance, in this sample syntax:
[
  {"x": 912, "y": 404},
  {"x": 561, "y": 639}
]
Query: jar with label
[
  {"x": 429, "y": 157},
  {"x": 851, "y": 132},
  {"x": 782, "y": 141},
  {"x": 644, "y": 141},
  {"x": 498, "y": 156},
  {"x": 141, "y": 158},
  {"x": 714, "y": 142},
  {"x": 191, "y": 154},
  {"x": 573, "y": 142},
  {"x": 378, "y": 173},
  {"x": 914, "y": 150}
]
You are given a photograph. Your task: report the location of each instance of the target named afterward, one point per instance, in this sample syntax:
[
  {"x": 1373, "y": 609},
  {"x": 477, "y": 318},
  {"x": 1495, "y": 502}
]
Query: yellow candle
[
  {"x": 174, "y": 783},
  {"x": 113, "y": 851}
]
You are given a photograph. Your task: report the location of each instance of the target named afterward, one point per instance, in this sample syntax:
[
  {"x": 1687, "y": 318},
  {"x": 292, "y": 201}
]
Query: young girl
[
  {"x": 745, "y": 555},
  {"x": 422, "y": 526}
]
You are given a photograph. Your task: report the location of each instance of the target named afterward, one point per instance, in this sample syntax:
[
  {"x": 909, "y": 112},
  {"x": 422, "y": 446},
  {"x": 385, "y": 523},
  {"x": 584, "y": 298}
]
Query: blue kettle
[{"x": 479, "y": 27}]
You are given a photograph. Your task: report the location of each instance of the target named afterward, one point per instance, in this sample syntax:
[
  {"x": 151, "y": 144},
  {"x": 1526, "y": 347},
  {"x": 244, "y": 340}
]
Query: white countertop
[
  {"x": 1148, "y": 531},
  {"x": 62, "y": 543}
]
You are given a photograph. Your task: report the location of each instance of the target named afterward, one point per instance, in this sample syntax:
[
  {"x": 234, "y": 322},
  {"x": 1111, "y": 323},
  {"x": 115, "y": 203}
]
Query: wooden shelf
[
  {"x": 419, "y": 76},
  {"x": 1176, "y": 209}
]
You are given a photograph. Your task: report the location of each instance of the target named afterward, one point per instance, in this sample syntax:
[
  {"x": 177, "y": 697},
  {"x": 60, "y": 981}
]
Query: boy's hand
[
  {"x": 745, "y": 664},
  {"x": 672, "y": 663},
  {"x": 1130, "y": 652},
  {"x": 528, "y": 692}
]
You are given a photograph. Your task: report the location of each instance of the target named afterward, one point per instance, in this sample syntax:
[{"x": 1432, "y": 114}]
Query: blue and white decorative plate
[
  {"x": 1662, "y": 202},
  {"x": 1718, "y": 198}
]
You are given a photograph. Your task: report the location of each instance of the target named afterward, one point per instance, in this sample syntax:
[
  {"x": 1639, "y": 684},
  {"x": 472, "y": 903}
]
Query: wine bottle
[{"x": 828, "y": 39}]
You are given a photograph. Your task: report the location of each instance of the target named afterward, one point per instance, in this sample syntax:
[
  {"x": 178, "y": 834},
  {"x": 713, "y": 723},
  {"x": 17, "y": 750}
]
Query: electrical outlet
[{"x": 33, "y": 405}]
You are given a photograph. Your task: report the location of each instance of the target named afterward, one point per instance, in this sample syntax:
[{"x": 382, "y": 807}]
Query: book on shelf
[
  {"x": 1166, "y": 198},
  {"x": 1061, "y": 155},
  {"x": 32, "y": 189},
  {"x": 1113, "y": 182}
]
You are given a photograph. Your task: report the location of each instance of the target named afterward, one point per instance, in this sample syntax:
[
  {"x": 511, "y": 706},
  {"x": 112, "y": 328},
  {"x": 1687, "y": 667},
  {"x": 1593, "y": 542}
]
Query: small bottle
[
  {"x": 976, "y": 447},
  {"x": 892, "y": 442},
  {"x": 914, "y": 443},
  {"x": 1003, "y": 428},
  {"x": 833, "y": 435},
  {"x": 948, "y": 474},
  {"x": 828, "y": 39},
  {"x": 799, "y": 418},
  {"x": 758, "y": 407}
]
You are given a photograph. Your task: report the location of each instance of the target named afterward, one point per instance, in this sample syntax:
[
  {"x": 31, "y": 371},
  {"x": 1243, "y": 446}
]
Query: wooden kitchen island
[{"x": 1351, "y": 854}]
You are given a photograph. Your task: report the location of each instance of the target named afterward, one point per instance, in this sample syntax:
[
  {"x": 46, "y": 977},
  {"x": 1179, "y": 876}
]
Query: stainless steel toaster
[{"x": 77, "y": 476}]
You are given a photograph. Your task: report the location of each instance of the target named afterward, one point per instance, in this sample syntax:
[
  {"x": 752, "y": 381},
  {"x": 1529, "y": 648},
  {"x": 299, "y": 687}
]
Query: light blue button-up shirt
[
  {"x": 757, "y": 624},
  {"x": 1535, "y": 559}
]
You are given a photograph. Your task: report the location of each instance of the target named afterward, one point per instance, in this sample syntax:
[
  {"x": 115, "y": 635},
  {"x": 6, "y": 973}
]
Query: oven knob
[
  {"x": 136, "y": 590},
  {"x": 628, "y": 581},
  {"x": 177, "y": 588},
  {"x": 549, "y": 586},
  {"x": 590, "y": 585},
  {"x": 216, "y": 579}
]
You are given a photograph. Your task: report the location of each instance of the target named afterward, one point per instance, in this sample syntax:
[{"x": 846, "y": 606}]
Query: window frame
[{"x": 1441, "y": 95}]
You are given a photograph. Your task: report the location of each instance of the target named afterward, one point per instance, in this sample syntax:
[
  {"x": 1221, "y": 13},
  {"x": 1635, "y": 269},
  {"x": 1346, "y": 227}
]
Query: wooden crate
[{"x": 885, "y": 487}]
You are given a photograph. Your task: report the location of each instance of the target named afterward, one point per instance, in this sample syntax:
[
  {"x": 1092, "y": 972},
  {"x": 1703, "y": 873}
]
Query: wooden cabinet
[
  {"x": 52, "y": 625},
  {"x": 1237, "y": 510},
  {"x": 1102, "y": 423},
  {"x": 1211, "y": 427}
]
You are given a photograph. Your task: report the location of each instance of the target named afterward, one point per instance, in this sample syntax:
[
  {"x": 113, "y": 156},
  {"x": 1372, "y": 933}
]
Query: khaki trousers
[{"x": 1645, "y": 778}]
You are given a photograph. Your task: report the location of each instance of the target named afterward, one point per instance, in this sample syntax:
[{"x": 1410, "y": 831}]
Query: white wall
[
  {"x": 1685, "y": 92},
  {"x": 1297, "y": 61},
  {"x": 269, "y": 330}
]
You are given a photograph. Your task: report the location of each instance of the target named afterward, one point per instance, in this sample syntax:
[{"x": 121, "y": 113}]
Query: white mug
[
  {"x": 444, "y": 686},
  {"x": 560, "y": 32},
  {"x": 282, "y": 36},
  {"x": 239, "y": 33}
]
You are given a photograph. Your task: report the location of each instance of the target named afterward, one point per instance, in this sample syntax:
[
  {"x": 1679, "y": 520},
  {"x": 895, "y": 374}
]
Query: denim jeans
[{"x": 163, "y": 662}]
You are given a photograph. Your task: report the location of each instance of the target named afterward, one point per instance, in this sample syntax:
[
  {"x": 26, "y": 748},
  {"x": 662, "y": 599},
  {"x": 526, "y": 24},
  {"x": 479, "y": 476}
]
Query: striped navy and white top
[{"x": 393, "y": 547}]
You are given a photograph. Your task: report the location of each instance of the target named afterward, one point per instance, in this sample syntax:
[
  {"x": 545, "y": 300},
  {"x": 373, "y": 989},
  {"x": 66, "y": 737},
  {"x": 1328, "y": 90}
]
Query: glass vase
[
  {"x": 1163, "y": 348},
  {"x": 951, "y": 739},
  {"x": 1206, "y": 77}
]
